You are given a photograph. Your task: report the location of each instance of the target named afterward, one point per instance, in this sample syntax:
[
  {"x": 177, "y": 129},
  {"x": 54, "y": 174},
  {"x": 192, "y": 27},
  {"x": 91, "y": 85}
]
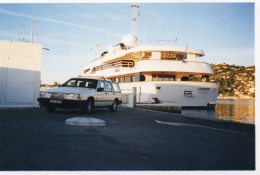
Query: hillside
[{"x": 234, "y": 81}]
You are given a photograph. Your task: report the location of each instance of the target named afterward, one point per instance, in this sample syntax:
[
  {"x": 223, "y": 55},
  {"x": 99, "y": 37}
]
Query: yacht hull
[{"x": 176, "y": 93}]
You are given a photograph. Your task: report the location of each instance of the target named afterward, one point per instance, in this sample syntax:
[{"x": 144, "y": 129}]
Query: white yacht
[{"x": 163, "y": 74}]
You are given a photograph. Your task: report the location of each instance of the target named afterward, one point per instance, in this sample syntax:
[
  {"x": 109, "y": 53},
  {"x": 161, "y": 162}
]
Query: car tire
[
  {"x": 114, "y": 106},
  {"x": 51, "y": 108},
  {"x": 88, "y": 108}
]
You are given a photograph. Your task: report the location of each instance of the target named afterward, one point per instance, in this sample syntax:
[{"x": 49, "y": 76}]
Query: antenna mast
[
  {"x": 32, "y": 32},
  {"x": 134, "y": 27}
]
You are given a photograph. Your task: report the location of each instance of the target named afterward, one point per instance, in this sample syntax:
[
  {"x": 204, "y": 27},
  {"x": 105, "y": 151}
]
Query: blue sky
[{"x": 224, "y": 31}]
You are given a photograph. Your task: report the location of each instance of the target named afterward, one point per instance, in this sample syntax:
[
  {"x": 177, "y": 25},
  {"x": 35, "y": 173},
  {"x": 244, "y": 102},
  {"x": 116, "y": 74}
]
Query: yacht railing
[
  {"x": 122, "y": 63},
  {"x": 157, "y": 42}
]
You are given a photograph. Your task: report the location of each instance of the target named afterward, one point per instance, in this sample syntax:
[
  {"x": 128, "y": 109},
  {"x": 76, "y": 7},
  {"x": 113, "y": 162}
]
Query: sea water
[{"x": 236, "y": 110}]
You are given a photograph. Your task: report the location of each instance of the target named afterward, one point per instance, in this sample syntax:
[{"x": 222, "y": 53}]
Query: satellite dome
[{"x": 129, "y": 40}]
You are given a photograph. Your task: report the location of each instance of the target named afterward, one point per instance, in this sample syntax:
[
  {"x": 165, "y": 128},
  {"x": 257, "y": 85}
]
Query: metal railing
[{"x": 159, "y": 42}]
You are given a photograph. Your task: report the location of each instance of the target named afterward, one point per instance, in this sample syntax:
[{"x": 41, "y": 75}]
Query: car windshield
[{"x": 84, "y": 83}]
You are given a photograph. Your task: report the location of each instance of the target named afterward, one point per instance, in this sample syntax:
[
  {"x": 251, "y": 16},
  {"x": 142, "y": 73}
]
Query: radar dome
[{"x": 129, "y": 40}]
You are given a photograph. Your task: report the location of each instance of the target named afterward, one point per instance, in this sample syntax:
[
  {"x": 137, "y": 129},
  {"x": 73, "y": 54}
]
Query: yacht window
[
  {"x": 160, "y": 77},
  {"x": 179, "y": 57},
  {"x": 128, "y": 79},
  {"x": 98, "y": 68},
  {"x": 174, "y": 59},
  {"x": 86, "y": 70},
  {"x": 93, "y": 70},
  {"x": 172, "y": 78},
  {"x": 122, "y": 79},
  {"x": 163, "y": 77},
  {"x": 154, "y": 78},
  {"x": 166, "y": 78},
  {"x": 142, "y": 78},
  {"x": 184, "y": 78}
]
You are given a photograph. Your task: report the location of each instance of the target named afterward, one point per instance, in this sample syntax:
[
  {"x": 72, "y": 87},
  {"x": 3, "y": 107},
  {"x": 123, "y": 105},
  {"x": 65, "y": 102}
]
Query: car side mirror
[{"x": 100, "y": 89}]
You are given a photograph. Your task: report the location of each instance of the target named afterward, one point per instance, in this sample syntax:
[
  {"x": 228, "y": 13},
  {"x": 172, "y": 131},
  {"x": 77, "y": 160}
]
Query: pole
[
  {"x": 32, "y": 32},
  {"x": 134, "y": 20}
]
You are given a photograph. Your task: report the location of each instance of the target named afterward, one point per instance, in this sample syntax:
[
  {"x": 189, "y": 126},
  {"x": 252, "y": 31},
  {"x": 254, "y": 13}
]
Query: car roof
[{"x": 94, "y": 78}]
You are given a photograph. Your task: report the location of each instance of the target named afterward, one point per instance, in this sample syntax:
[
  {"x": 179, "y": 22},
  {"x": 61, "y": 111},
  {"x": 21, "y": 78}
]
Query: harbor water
[{"x": 236, "y": 110}]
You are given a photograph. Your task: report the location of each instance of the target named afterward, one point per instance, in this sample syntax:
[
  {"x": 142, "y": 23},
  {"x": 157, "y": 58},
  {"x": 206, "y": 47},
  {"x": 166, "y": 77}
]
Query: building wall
[{"x": 20, "y": 69}]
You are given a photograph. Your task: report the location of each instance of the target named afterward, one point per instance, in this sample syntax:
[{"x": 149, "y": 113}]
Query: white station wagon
[{"x": 82, "y": 93}]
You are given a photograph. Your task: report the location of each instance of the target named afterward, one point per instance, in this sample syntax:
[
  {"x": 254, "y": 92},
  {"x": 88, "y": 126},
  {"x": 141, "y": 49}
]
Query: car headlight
[
  {"x": 73, "y": 96},
  {"x": 45, "y": 94}
]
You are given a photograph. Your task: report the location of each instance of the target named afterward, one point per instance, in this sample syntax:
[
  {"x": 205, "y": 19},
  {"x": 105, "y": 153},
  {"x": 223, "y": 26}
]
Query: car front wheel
[
  {"x": 88, "y": 108},
  {"x": 114, "y": 106}
]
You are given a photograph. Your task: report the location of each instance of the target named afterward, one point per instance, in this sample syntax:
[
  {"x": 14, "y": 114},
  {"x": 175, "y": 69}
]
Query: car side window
[
  {"x": 108, "y": 86},
  {"x": 116, "y": 87},
  {"x": 81, "y": 83},
  {"x": 101, "y": 84},
  {"x": 72, "y": 83}
]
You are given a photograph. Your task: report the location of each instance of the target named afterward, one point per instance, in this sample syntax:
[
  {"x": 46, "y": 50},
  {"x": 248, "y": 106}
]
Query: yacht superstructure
[{"x": 160, "y": 73}]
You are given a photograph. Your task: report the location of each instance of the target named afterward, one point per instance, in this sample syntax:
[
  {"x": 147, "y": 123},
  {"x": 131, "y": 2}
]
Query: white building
[{"x": 20, "y": 69}]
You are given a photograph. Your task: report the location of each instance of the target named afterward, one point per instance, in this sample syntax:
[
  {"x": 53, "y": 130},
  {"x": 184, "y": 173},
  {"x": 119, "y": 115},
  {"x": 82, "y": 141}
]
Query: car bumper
[{"x": 64, "y": 104}]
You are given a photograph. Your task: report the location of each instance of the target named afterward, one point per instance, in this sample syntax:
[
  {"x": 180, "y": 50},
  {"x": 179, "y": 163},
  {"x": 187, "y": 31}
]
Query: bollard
[{"x": 134, "y": 97}]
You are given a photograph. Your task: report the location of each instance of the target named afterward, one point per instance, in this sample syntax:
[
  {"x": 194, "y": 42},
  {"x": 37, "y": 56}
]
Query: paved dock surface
[{"x": 33, "y": 139}]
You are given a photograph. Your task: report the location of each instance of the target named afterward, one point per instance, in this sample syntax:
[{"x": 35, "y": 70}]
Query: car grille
[{"x": 57, "y": 95}]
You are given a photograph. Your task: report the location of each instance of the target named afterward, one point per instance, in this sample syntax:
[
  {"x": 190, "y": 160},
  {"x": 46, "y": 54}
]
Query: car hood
[{"x": 70, "y": 90}]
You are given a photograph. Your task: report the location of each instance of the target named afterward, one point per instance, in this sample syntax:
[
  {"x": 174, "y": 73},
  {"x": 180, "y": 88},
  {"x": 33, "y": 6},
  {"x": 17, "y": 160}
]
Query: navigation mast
[{"x": 134, "y": 26}]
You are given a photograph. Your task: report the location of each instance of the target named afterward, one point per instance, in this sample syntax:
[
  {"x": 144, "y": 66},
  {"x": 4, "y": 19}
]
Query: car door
[
  {"x": 100, "y": 99},
  {"x": 109, "y": 93}
]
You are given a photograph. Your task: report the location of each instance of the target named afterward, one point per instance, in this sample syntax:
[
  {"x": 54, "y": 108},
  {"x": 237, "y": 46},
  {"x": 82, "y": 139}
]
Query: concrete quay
[
  {"x": 160, "y": 107},
  {"x": 33, "y": 139}
]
